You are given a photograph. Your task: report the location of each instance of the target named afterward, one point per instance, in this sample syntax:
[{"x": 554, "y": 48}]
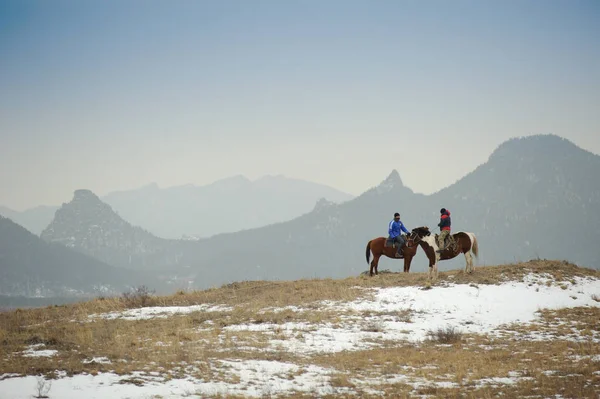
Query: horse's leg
[
  {"x": 469, "y": 259},
  {"x": 407, "y": 261},
  {"x": 372, "y": 265},
  {"x": 433, "y": 267},
  {"x": 375, "y": 264}
]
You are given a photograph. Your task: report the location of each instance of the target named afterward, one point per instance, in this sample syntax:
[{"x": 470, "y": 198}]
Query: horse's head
[{"x": 419, "y": 232}]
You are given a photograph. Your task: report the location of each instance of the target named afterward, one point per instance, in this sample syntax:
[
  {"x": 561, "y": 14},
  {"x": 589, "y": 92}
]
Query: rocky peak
[
  {"x": 391, "y": 182},
  {"x": 75, "y": 218},
  {"x": 90, "y": 226},
  {"x": 322, "y": 203},
  {"x": 85, "y": 205},
  {"x": 84, "y": 195},
  {"x": 83, "y": 192}
]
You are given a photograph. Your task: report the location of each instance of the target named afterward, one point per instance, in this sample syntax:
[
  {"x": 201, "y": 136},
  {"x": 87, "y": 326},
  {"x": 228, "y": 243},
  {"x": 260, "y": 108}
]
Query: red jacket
[{"x": 445, "y": 221}]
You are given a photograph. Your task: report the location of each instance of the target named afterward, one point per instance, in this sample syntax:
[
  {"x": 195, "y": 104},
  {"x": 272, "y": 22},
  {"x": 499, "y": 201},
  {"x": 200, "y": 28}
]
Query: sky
[{"x": 114, "y": 95}]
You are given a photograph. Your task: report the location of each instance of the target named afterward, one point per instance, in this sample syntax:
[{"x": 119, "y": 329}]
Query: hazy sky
[{"x": 111, "y": 95}]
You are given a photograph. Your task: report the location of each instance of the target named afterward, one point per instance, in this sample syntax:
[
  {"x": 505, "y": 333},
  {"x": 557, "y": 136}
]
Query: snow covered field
[{"x": 392, "y": 316}]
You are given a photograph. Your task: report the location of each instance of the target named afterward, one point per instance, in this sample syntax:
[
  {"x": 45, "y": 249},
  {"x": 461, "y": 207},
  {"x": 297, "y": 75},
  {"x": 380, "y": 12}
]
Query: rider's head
[
  {"x": 396, "y": 215},
  {"x": 443, "y": 210}
]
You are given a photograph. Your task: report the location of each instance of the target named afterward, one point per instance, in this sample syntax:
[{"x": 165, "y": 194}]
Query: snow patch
[
  {"x": 34, "y": 351},
  {"x": 101, "y": 359},
  {"x": 159, "y": 312},
  {"x": 254, "y": 379},
  {"x": 389, "y": 314},
  {"x": 469, "y": 309}
]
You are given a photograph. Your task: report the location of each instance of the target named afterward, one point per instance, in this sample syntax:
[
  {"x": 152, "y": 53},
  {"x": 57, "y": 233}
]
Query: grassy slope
[{"x": 200, "y": 338}]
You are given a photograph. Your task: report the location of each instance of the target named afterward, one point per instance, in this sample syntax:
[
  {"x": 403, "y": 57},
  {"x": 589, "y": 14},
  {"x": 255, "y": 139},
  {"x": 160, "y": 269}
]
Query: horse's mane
[{"x": 422, "y": 231}]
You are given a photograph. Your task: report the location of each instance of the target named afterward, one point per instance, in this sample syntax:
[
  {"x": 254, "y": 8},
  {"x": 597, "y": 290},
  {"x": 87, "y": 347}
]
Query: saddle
[
  {"x": 389, "y": 242},
  {"x": 449, "y": 242}
]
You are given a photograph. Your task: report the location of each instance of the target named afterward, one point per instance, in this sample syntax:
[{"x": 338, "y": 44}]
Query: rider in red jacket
[{"x": 444, "y": 225}]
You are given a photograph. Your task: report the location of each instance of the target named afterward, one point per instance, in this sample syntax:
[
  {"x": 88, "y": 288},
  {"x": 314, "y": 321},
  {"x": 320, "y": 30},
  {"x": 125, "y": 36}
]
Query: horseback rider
[
  {"x": 395, "y": 228},
  {"x": 444, "y": 226}
]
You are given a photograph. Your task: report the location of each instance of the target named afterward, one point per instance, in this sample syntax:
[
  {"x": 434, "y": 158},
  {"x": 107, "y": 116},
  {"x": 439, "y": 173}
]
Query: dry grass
[
  {"x": 192, "y": 344},
  {"x": 539, "y": 367},
  {"x": 561, "y": 272},
  {"x": 448, "y": 335}
]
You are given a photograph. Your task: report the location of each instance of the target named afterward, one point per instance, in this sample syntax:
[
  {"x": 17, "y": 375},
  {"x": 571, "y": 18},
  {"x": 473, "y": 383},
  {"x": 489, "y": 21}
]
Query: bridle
[{"x": 414, "y": 237}]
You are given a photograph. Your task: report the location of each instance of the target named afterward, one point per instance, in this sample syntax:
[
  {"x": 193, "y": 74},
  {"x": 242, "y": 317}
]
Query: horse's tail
[
  {"x": 475, "y": 246},
  {"x": 368, "y": 254}
]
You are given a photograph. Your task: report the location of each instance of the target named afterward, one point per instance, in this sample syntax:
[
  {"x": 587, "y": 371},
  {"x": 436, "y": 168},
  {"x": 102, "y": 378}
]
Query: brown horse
[
  {"x": 464, "y": 242},
  {"x": 377, "y": 246}
]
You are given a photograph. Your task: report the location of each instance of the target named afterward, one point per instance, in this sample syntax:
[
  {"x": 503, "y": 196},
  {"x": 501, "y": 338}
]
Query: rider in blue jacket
[{"x": 395, "y": 229}]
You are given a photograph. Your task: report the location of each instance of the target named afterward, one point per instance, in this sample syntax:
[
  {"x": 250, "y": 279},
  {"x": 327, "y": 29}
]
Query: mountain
[
  {"x": 535, "y": 197},
  {"x": 35, "y": 219},
  {"x": 327, "y": 242},
  {"x": 90, "y": 226},
  {"x": 31, "y": 267},
  {"x": 226, "y": 205}
]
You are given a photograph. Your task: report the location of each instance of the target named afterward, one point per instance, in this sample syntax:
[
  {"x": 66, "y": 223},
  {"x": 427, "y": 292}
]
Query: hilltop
[{"x": 527, "y": 329}]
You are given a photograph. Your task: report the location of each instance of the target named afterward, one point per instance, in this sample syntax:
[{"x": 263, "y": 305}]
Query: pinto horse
[
  {"x": 465, "y": 243},
  {"x": 377, "y": 246}
]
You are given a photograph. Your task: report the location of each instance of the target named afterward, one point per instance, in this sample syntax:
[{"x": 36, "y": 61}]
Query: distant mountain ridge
[
  {"x": 227, "y": 205},
  {"x": 34, "y": 219},
  {"x": 535, "y": 197},
  {"x": 31, "y": 267}
]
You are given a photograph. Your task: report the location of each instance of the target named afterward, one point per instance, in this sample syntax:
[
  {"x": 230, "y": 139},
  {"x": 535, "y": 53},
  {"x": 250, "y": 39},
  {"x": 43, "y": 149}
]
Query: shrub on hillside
[
  {"x": 138, "y": 297},
  {"x": 448, "y": 335}
]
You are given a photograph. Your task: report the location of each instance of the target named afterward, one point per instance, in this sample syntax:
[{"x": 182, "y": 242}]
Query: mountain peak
[
  {"x": 231, "y": 182},
  {"x": 322, "y": 203},
  {"x": 84, "y": 195},
  {"x": 539, "y": 145},
  {"x": 391, "y": 182},
  {"x": 394, "y": 177},
  {"x": 91, "y": 226},
  {"x": 85, "y": 209}
]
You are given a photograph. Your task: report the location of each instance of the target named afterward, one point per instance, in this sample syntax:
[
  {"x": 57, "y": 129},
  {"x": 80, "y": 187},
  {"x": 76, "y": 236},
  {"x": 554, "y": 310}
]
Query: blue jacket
[{"x": 395, "y": 228}]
